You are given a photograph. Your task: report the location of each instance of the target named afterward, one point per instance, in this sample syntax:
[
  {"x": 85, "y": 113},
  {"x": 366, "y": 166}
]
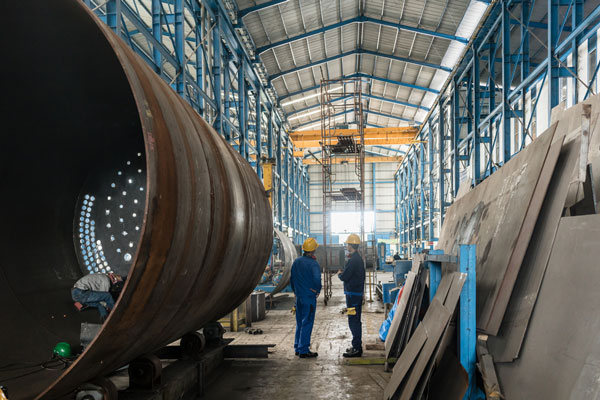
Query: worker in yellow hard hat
[
  {"x": 353, "y": 277},
  {"x": 306, "y": 284}
]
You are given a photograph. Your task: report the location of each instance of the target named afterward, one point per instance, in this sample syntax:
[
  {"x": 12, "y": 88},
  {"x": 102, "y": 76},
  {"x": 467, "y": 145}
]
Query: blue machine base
[{"x": 387, "y": 267}]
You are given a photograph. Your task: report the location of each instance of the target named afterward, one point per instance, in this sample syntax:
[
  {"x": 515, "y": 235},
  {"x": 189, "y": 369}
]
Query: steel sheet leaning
[
  {"x": 498, "y": 216},
  {"x": 560, "y": 357},
  {"x": 205, "y": 232},
  {"x": 506, "y": 345}
]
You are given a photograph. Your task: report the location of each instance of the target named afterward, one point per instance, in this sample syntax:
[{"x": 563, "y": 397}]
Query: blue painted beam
[
  {"x": 540, "y": 25},
  {"x": 258, "y": 7},
  {"x": 390, "y": 149},
  {"x": 366, "y": 76},
  {"x": 359, "y": 52},
  {"x": 395, "y": 101},
  {"x": 360, "y": 19},
  {"x": 165, "y": 53},
  {"x": 370, "y": 96},
  {"x": 366, "y": 112}
]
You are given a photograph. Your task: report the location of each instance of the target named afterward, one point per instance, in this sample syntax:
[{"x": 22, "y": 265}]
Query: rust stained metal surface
[
  {"x": 207, "y": 225},
  {"x": 506, "y": 345},
  {"x": 498, "y": 216},
  {"x": 560, "y": 356}
]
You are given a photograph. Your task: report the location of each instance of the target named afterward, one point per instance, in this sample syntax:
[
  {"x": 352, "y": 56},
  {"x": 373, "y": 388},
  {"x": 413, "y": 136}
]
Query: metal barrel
[{"x": 83, "y": 115}]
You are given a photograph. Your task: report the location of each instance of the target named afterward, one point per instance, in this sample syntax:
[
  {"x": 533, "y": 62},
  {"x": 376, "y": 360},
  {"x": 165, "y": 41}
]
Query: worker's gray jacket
[{"x": 95, "y": 282}]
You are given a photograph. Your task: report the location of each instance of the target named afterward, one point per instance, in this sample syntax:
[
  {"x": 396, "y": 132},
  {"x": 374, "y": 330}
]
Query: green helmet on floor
[{"x": 62, "y": 349}]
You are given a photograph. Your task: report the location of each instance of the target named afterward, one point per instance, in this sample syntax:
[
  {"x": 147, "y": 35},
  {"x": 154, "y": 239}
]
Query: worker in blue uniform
[
  {"x": 306, "y": 284},
  {"x": 353, "y": 277}
]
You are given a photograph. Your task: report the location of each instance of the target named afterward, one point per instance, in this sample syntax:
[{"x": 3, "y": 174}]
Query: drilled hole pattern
[{"x": 110, "y": 217}]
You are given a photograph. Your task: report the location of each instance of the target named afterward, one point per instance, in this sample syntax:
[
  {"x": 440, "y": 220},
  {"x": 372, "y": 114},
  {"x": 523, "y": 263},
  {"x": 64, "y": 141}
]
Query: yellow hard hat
[
  {"x": 309, "y": 245},
  {"x": 352, "y": 239}
]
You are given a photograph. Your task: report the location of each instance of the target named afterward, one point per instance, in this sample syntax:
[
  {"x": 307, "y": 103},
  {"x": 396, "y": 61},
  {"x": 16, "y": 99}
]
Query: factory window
[
  {"x": 349, "y": 222},
  {"x": 591, "y": 69}
]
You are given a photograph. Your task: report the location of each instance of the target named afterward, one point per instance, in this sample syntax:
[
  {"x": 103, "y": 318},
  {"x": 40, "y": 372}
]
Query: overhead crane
[{"x": 373, "y": 136}]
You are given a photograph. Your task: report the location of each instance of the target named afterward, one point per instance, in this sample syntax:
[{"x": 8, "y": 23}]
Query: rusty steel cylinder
[{"x": 106, "y": 169}]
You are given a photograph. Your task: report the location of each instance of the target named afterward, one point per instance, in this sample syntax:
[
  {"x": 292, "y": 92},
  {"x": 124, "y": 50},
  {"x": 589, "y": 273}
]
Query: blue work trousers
[
  {"x": 305, "y": 319},
  {"x": 354, "y": 320},
  {"x": 92, "y": 299}
]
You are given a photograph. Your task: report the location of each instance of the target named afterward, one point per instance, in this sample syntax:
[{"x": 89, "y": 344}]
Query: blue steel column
[
  {"x": 506, "y": 81},
  {"x": 553, "y": 67},
  {"x": 113, "y": 16},
  {"x": 279, "y": 175},
  {"x": 525, "y": 14},
  {"x": 373, "y": 170},
  {"x": 406, "y": 208},
  {"x": 226, "y": 98},
  {"x": 180, "y": 48},
  {"x": 216, "y": 72},
  {"x": 430, "y": 172},
  {"x": 258, "y": 113},
  {"x": 455, "y": 137},
  {"x": 287, "y": 182},
  {"x": 467, "y": 319},
  {"x": 408, "y": 203},
  {"x": 199, "y": 52},
  {"x": 476, "y": 110},
  {"x": 157, "y": 33},
  {"x": 270, "y": 134},
  {"x": 242, "y": 110},
  {"x": 441, "y": 188},
  {"x": 576, "y": 19},
  {"x": 307, "y": 203},
  {"x": 293, "y": 220},
  {"x": 422, "y": 190}
]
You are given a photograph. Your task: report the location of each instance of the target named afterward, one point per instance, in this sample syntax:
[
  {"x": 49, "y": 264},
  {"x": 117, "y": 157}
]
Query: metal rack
[{"x": 336, "y": 143}]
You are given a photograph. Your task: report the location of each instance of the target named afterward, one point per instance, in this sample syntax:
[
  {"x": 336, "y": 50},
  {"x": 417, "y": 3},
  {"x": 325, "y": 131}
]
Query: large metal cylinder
[
  {"x": 287, "y": 256},
  {"x": 104, "y": 167}
]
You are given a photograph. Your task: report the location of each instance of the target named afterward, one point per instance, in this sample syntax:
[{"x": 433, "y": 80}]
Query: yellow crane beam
[
  {"x": 404, "y": 132},
  {"x": 368, "y": 142},
  {"x": 373, "y": 136},
  {"x": 352, "y": 160}
]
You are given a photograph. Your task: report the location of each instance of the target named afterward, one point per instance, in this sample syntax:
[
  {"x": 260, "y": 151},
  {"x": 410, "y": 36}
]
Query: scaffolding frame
[{"x": 347, "y": 101}]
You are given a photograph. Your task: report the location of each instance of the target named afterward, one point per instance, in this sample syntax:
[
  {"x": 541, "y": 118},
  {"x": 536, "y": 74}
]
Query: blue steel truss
[
  {"x": 361, "y": 19},
  {"x": 359, "y": 52},
  {"x": 494, "y": 103},
  {"x": 194, "y": 46},
  {"x": 366, "y": 76}
]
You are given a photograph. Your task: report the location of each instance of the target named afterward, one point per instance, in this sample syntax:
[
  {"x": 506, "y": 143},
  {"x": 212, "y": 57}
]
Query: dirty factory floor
[{"x": 285, "y": 376}]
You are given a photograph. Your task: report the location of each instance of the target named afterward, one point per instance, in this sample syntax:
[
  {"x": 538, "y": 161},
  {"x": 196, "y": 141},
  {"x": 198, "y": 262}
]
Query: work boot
[
  {"x": 297, "y": 353},
  {"x": 310, "y": 354},
  {"x": 353, "y": 353}
]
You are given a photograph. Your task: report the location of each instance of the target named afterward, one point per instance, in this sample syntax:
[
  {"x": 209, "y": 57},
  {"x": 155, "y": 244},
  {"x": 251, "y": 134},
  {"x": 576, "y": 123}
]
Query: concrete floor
[{"x": 285, "y": 376}]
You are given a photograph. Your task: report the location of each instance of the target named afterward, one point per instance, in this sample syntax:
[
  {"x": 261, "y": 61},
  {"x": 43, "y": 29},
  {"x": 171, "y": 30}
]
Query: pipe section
[
  {"x": 78, "y": 107},
  {"x": 286, "y": 246}
]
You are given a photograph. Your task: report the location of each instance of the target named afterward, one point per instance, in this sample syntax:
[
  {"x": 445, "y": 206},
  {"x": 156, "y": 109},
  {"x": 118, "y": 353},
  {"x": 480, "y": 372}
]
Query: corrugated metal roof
[{"x": 298, "y": 65}]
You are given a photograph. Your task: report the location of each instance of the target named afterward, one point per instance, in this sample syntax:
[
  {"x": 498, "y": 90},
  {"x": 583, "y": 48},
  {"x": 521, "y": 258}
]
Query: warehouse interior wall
[{"x": 379, "y": 200}]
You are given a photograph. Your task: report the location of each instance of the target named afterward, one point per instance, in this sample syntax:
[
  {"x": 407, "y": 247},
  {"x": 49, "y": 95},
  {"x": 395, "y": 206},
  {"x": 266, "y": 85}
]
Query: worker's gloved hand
[{"x": 293, "y": 311}]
